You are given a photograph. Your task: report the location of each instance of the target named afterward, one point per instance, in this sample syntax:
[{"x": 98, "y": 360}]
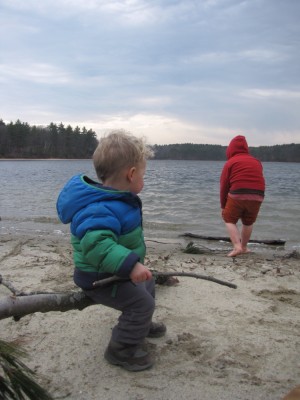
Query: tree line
[
  {"x": 189, "y": 151},
  {"x": 20, "y": 140}
]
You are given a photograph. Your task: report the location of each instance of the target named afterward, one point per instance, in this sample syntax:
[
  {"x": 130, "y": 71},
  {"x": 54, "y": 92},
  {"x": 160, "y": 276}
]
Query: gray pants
[{"x": 136, "y": 303}]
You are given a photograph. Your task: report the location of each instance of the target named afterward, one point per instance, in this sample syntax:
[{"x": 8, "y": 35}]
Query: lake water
[{"x": 178, "y": 197}]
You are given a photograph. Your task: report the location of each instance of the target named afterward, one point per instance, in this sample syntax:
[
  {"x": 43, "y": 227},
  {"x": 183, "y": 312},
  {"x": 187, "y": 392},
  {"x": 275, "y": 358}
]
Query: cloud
[
  {"x": 180, "y": 70},
  {"x": 272, "y": 94},
  {"x": 34, "y": 73},
  {"x": 158, "y": 129},
  {"x": 132, "y": 12},
  {"x": 261, "y": 55}
]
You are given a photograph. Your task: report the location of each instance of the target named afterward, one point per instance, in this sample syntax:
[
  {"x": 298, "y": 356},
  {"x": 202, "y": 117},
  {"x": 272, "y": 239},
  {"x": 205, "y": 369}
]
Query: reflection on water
[{"x": 179, "y": 196}]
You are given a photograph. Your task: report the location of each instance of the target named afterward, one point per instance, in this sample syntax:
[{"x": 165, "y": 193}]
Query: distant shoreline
[
  {"x": 45, "y": 159},
  {"x": 153, "y": 159}
]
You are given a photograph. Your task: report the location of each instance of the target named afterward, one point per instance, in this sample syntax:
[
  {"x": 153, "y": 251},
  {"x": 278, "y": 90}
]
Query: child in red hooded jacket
[{"x": 242, "y": 189}]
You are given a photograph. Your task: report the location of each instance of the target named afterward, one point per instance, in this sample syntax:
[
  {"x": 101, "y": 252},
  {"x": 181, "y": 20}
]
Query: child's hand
[{"x": 140, "y": 273}]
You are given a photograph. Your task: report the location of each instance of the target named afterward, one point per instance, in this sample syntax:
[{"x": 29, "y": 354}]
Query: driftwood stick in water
[
  {"x": 116, "y": 278},
  {"x": 276, "y": 242}
]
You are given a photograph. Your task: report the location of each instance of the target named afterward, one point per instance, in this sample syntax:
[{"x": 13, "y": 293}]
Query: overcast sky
[{"x": 175, "y": 71}]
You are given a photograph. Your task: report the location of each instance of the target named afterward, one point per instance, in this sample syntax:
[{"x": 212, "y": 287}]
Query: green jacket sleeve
[{"x": 102, "y": 250}]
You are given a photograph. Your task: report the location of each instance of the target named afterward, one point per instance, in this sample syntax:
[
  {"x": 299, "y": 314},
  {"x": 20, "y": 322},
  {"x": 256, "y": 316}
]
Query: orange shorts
[{"x": 246, "y": 210}]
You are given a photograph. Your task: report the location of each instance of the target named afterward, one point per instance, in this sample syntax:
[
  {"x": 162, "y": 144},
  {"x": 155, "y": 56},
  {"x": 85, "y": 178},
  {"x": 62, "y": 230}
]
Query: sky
[{"x": 173, "y": 71}]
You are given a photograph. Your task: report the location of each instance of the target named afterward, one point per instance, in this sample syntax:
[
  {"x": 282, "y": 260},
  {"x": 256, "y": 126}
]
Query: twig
[
  {"x": 9, "y": 286},
  {"x": 156, "y": 274},
  {"x": 293, "y": 254},
  {"x": 158, "y": 241},
  {"x": 277, "y": 242},
  {"x": 192, "y": 249}
]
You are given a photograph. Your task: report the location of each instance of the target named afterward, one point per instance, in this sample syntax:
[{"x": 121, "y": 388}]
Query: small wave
[
  {"x": 59, "y": 232},
  {"x": 45, "y": 220},
  {"x": 39, "y": 219}
]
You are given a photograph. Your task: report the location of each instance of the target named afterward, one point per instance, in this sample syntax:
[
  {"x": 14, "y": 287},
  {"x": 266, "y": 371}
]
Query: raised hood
[{"x": 237, "y": 145}]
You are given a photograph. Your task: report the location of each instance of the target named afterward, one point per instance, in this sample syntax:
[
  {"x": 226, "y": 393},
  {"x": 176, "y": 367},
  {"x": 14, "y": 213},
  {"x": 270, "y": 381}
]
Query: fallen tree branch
[
  {"x": 156, "y": 274},
  {"x": 19, "y": 306},
  {"x": 276, "y": 242}
]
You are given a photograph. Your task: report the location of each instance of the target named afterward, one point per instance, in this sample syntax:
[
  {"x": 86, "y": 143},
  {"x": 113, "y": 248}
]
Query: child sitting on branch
[{"x": 107, "y": 236}]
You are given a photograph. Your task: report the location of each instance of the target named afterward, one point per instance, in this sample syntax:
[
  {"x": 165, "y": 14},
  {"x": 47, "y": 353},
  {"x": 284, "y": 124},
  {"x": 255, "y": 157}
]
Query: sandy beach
[{"x": 221, "y": 343}]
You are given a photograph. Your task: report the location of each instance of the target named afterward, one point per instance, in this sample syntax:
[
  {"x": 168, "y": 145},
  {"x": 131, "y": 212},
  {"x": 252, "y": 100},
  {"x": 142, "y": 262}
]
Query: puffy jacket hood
[
  {"x": 82, "y": 191},
  {"x": 237, "y": 145}
]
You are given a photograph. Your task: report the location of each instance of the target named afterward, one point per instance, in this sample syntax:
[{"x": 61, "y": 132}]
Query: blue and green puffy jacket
[{"x": 106, "y": 229}]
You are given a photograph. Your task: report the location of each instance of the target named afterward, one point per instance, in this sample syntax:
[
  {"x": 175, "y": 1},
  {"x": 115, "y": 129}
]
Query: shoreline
[
  {"x": 45, "y": 159},
  {"x": 152, "y": 159},
  {"x": 221, "y": 343}
]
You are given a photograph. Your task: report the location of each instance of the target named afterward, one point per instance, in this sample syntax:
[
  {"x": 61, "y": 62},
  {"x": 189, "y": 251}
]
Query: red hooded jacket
[{"x": 242, "y": 173}]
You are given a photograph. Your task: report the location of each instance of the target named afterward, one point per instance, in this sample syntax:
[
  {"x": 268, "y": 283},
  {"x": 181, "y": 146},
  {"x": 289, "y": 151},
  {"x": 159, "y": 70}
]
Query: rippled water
[{"x": 178, "y": 197}]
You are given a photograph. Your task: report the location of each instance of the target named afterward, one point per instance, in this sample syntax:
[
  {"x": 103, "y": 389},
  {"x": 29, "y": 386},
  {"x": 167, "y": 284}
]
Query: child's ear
[{"x": 130, "y": 173}]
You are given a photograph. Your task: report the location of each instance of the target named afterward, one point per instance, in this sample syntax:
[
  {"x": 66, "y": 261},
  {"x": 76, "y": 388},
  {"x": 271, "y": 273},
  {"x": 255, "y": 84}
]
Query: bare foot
[
  {"x": 245, "y": 250},
  {"x": 235, "y": 252}
]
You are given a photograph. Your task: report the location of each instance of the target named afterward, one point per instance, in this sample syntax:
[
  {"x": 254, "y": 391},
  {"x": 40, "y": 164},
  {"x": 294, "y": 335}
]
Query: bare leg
[
  {"x": 245, "y": 237},
  {"x": 234, "y": 235}
]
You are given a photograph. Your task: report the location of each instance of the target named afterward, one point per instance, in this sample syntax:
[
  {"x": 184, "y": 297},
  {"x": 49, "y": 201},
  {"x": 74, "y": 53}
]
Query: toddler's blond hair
[{"x": 118, "y": 150}]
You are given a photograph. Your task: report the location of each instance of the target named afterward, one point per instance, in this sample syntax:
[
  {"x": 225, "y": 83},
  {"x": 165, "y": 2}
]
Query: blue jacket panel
[{"x": 88, "y": 205}]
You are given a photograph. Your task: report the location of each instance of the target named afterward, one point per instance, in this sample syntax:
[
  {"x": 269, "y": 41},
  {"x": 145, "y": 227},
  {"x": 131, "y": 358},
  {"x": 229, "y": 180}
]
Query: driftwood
[
  {"x": 112, "y": 279},
  {"x": 276, "y": 242},
  {"x": 19, "y": 304}
]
